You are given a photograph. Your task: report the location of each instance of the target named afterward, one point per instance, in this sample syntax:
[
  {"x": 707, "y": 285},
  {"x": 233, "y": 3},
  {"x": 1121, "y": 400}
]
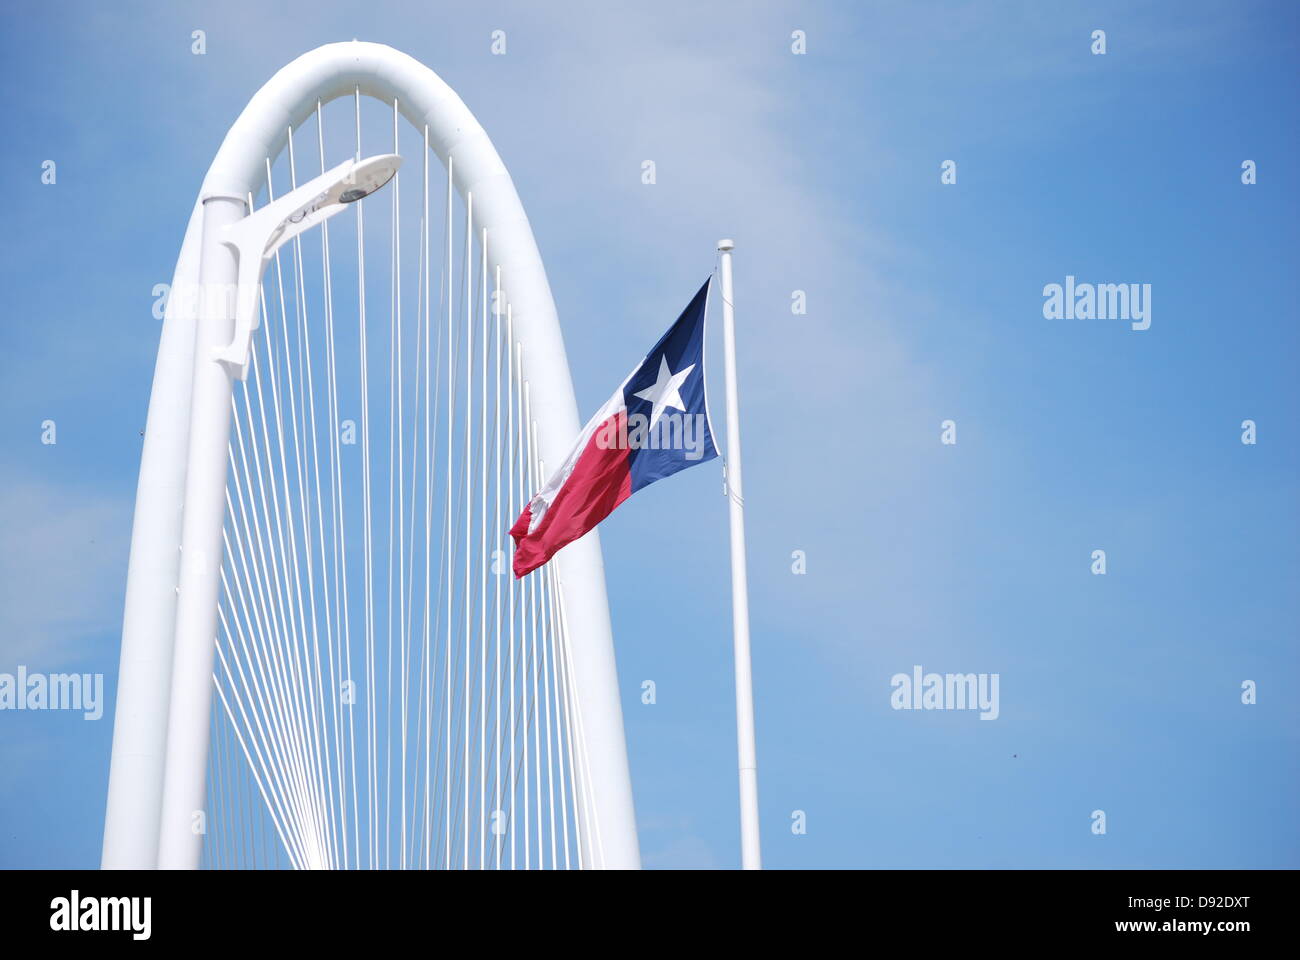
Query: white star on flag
[{"x": 663, "y": 392}]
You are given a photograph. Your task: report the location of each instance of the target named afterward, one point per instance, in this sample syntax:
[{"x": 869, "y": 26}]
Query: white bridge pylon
[{"x": 201, "y": 587}]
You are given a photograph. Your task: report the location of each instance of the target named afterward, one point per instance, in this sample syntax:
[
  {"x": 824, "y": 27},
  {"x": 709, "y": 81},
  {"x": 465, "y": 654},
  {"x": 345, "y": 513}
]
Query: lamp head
[
  {"x": 369, "y": 175},
  {"x": 328, "y": 193}
]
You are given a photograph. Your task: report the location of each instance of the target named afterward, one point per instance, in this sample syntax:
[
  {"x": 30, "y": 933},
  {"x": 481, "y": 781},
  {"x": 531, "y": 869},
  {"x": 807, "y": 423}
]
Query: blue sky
[{"x": 1118, "y": 692}]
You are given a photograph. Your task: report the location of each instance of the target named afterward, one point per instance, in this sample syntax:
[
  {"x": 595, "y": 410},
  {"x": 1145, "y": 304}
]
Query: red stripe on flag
[{"x": 600, "y": 481}]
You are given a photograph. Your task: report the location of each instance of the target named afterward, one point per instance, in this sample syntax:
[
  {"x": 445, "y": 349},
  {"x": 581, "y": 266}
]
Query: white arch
[{"x": 166, "y": 664}]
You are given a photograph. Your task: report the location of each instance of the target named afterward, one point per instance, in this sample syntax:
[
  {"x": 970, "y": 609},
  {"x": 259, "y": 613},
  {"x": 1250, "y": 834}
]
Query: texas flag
[{"x": 656, "y": 423}]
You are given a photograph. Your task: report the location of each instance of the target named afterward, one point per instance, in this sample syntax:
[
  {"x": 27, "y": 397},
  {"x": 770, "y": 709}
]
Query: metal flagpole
[{"x": 748, "y": 757}]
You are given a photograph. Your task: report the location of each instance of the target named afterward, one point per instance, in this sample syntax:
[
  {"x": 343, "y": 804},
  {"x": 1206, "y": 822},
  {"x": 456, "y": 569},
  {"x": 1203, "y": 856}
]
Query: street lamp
[{"x": 256, "y": 237}]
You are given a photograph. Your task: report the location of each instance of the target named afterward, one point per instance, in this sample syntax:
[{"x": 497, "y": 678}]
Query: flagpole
[{"x": 747, "y": 752}]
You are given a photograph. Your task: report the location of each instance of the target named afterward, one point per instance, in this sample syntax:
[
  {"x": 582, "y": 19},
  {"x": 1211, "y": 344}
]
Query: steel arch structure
[{"x": 164, "y": 697}]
